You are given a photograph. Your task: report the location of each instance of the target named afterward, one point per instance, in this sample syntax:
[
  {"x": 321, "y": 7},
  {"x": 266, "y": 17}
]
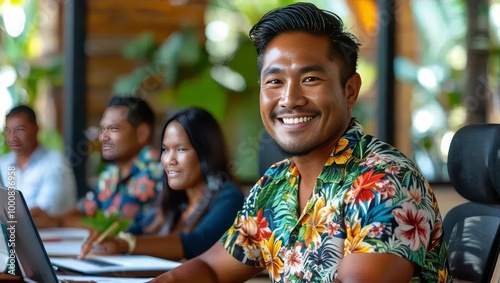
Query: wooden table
[{"x": 10, "y": 278}]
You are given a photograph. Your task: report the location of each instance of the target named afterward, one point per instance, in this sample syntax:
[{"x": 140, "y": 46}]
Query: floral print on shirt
[
  {"x": 132, "y": 196},
  {"x": 369, "y": 198}
]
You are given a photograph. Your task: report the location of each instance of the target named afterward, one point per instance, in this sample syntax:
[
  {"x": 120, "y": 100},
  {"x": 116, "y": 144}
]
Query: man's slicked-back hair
[
  {"x": 23, "y": 109},
  {"x": 306, "y": 17},
  {"x": 139, "y": 110}
]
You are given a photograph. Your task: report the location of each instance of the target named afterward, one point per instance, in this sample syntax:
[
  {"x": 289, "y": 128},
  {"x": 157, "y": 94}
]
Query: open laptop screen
[{"x": 23, "y": 236}]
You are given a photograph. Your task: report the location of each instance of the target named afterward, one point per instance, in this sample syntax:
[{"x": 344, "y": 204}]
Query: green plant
[
  {"x": 100, "y": 222},
  {"x": 19, "y": 57},
  {"x": 177, "y": 70}
]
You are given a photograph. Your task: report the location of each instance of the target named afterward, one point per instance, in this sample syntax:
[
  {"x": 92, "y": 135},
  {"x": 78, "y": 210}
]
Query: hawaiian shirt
[
  {"x": 369, "y": 198},
  {"x": 130, "y": 197}
]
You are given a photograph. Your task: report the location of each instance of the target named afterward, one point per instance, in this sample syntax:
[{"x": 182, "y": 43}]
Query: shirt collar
[
  {"x": 34, "y": 157},
  {"x": 146, "y": 155},
  {"x": 37, "y": 154},
  {"x": 342, "y": 151}
]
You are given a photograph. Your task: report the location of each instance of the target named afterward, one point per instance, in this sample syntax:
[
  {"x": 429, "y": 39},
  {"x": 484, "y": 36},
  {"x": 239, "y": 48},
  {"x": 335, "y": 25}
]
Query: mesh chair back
[{"x": 472, "y": 229}]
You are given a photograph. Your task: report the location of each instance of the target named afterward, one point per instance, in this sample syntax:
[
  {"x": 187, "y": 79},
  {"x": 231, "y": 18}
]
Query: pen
[
  {"x": 94, "y": 245},
  {"x": 106, "y": 232}
]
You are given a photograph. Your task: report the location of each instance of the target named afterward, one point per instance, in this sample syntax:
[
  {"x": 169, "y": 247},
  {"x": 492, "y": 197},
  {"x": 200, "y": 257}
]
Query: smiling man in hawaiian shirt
[{"x": 345, "y": 207}]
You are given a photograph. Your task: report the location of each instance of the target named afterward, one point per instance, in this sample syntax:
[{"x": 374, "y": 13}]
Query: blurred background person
[
  {"x": 200, "y": 198},
  {"x": 131, "y": 179},
  {"x": 41, "y": 174}
]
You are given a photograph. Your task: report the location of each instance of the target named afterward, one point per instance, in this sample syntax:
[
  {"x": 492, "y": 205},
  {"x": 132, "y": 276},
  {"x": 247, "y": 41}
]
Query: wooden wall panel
[
  {"x": 112, "y": 24},
  {"x": 131, "y": 17},
  {"x": 408, "y": 46}
]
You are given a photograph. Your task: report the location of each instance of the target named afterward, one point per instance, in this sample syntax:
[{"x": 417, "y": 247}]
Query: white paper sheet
[
  {"x": 102, "y": 279},
  {"x": 120, "y": 263},
  {"x": 63, "y": 248},
  {"x": 60, "y": 234}
]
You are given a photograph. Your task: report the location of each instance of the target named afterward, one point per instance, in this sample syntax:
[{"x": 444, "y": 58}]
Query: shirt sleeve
[
  {"x": 57, "y": 191},
  {"x": 89, "y": 204},
  {"x": 4, "y": 170},
  {"x": 214, "y": 223},
  {"x": 243, "y": 238},
  {"x": 391, "y": 213}
]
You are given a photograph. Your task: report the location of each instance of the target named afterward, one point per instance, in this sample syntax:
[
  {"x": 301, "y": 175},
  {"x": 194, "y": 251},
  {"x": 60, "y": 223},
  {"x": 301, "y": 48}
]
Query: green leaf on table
[{"x": 100, "y": 222}]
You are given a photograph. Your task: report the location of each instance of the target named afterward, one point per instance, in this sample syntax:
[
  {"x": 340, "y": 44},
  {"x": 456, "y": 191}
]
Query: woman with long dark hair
[{"x": 200, "y": 199}]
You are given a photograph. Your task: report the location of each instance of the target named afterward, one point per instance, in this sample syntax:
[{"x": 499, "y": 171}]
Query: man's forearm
[
  {"x": 70, "y": 218},
  {"x": 42, "y": 219},
  {"x": 195, "y": 270},
  {"x": 171, "y": 246}
]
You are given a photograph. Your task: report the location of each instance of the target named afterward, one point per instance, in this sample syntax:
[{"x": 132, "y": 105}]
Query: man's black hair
[
  {"x": 306, "y": 17},
  {"x": 139, "y": 110},
  {"x": 23, "y": 109}
]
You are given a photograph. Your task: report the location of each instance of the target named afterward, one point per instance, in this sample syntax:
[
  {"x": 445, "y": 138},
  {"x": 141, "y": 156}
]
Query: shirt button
[{"x": 293, "y": 238}]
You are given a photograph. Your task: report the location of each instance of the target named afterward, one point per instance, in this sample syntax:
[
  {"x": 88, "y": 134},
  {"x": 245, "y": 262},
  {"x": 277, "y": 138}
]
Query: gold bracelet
[{"x": 130, "y": 239}]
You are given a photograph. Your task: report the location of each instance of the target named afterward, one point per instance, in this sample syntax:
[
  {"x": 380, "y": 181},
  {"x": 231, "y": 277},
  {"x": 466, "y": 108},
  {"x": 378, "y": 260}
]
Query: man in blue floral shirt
[
  {"x": 345, "y": 206},
  {"x": 131, "y": 181}
]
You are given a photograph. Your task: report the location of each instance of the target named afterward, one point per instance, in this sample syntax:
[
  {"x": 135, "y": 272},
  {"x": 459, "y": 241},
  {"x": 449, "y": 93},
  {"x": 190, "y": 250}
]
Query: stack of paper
[
  {"x": 101, "y": 279},
  {"x": 63, "y": 245},
  {"x": 63, "y": 234},
  {"x": 63, "y": 242},
  {"x": 115, "y": 263}
]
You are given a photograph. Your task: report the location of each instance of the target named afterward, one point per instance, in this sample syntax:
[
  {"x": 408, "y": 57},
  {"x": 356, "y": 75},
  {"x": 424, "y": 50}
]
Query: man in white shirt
[{"x": 44, "y": 176}]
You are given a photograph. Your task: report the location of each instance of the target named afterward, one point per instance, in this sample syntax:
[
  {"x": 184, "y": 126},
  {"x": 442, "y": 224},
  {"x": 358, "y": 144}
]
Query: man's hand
[{"x": 43, "y": 220}]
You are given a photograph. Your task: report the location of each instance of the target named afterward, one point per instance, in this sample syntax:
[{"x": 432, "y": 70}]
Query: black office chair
[
  {"x": 472, "y": 229},
  {"x": 269, "y": 153}
]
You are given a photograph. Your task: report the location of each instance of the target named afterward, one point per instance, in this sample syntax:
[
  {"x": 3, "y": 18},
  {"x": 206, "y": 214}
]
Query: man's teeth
[{"x": 296, "y": 120}]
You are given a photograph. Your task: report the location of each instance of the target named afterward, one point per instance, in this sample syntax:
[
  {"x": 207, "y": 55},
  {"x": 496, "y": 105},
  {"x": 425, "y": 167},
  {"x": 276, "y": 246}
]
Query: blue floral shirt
[{"x": 130, "y": 197}]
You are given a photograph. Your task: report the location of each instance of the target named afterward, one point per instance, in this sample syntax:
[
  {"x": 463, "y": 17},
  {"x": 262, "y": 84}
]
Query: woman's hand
[{"x": 108, "y": 246}]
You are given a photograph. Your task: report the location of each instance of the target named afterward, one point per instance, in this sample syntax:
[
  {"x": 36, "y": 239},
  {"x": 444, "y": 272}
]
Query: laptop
[
  {"x": 30, "y": 256},
  {"x": 36, "y": 266}
]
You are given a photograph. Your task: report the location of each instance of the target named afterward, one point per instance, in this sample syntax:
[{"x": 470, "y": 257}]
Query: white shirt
[{"x": 47, "y": 181}]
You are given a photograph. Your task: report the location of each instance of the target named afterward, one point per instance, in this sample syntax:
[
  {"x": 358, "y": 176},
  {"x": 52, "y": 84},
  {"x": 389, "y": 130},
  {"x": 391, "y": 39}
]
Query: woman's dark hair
[
  {"x": 306, "y": 17},
  {"x": 207, "y": 139}
]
